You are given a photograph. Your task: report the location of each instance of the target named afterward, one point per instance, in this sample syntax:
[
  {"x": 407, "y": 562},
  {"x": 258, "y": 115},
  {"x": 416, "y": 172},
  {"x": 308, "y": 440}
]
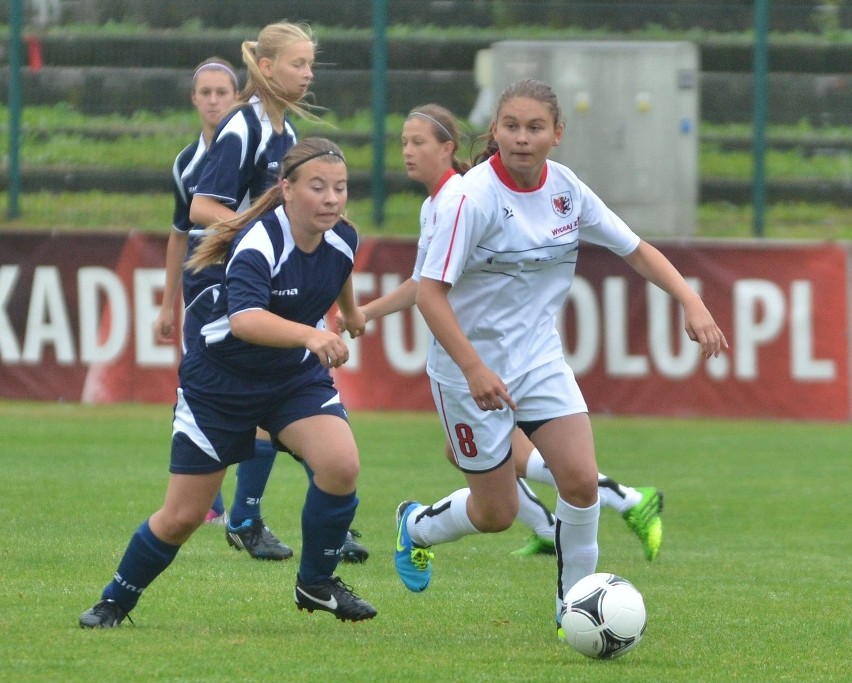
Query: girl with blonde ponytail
[
  {"x": 256, "y": 133},
  {"x": 242, "y": 163}
]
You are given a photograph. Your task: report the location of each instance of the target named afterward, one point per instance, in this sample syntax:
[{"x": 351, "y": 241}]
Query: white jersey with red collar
[
  {"x": 510, "y": 256},
  {"x": 427, "y": 218}
]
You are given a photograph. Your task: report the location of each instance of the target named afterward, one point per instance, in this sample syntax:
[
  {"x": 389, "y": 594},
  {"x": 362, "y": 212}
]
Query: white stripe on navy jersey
[
  {"x": 185, "y": 172},
  {"x": 266, "y": 271},
  {"x": 244, "y": 158},
  {"x": 510, "y": 255}
]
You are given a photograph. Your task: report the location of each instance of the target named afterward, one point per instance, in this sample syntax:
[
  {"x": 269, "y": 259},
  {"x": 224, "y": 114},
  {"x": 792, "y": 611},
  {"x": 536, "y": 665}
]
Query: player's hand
[
  {"x": 329, "y": 348},
  {"x": 488, "y": 390},
  {"x": 355, "y": 323},
  {"x": 164, "y": 327},
  {"x": 701, "y": 328}
]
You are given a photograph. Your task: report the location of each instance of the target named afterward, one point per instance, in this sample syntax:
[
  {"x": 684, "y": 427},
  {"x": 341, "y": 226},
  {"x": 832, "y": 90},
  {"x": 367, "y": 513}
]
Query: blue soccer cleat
[{"x": 413, "y": 562}]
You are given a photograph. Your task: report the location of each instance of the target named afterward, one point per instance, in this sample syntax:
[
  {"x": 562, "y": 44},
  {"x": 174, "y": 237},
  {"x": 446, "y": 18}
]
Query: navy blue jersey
[
  {"x": 244, "y": 158},
  {"x": 266, "y": 270},
  {"x": 185, "y": 174}
]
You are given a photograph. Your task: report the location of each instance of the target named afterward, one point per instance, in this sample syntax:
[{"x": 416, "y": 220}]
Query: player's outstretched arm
[{"x": 651, "y": 264}]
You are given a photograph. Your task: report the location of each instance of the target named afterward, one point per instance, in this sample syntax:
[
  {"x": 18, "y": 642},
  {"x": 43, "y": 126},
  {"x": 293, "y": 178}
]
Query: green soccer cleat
[
  {"x": 644, "y": 520},
  {"x": 536, "y": 545}
]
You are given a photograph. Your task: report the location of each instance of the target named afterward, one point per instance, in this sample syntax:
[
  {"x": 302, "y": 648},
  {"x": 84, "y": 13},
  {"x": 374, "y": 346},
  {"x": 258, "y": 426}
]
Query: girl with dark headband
[
  {"x": 263, "y": 361},
  {"x": 242, "y": 163}
]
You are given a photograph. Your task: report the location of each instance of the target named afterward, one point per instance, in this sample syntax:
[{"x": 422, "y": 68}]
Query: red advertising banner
[
  {"x": 784, "y": 309},
  {"x": 77, "y": 315},
  {"x": 77, "y": 312}
]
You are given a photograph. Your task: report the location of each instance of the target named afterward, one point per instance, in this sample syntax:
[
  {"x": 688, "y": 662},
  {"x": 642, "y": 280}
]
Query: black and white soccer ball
[{"x": 603, "y": 617}]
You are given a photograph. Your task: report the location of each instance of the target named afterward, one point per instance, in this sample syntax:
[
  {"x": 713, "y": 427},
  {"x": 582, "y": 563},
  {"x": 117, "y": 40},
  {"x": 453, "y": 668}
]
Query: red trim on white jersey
[
  {"x": 450, "y": 172},
  {"x": 452, "y": 238},
  {"x": 505, "y": 178}
]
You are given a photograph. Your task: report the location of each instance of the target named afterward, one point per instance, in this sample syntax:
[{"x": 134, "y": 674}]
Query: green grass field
[{"x": 752, "y": 584}]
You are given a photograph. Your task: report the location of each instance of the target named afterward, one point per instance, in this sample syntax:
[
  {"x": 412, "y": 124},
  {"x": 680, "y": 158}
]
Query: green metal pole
[
  {"x": 761, "y": 105},
  {"x": 380, "y": 98},
  {"x": 16, "y": 30}
]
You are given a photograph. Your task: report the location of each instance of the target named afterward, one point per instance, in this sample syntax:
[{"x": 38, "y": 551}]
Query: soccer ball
[{"x": 603, "y": 616}]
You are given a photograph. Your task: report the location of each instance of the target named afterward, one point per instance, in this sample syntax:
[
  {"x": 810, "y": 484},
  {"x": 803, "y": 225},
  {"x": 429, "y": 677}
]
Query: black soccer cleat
[
  {"x": 254, "y": 537},
  {"x": 332, "y": 595},
  {"x": 353, "y": 552},
  {"x": 105, "y": 614}
]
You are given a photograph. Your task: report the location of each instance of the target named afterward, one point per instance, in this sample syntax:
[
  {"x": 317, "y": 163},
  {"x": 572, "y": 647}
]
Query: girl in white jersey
[
  {"x": 497, "y": 272},
  {"x": 430, "y": 141}
]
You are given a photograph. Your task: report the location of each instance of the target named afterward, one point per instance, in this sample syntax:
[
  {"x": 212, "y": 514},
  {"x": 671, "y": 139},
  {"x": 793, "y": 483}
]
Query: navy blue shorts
[{"x": 218, "y": 411}]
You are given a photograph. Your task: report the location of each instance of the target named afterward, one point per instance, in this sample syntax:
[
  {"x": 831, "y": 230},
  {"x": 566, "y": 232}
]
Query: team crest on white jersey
[{"x": 561, "y": 203}]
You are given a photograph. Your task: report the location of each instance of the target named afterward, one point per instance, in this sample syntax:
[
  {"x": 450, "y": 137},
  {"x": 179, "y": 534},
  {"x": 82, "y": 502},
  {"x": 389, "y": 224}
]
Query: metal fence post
[
  {"x": 761, "y": 95},
  {"x": 16, "y": 29},
  {"x": 380, "y": 66}
]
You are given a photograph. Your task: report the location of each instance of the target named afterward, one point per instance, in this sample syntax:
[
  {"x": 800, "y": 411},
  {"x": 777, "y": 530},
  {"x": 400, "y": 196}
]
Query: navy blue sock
[
  {"x": 219, "y": 504},
  {"x": 144, "y": 560},
  {"x": 325, "y": 521},
  {"x": 252, "y": 476}
]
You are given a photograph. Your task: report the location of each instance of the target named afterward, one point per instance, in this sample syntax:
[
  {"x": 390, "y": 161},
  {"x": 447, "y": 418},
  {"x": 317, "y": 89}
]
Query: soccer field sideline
[{"x": 751, "y": 584}]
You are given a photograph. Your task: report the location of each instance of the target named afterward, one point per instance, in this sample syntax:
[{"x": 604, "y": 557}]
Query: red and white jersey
[
  {"x": 510, "y": 256},
  {"x": 427, "y": 218}
]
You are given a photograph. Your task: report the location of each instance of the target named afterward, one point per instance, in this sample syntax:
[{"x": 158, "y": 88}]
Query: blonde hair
[
  {"x": 213, "y": 247},
  {"x": 444, "y": 127},
  {"x": 271, "y": 42}
]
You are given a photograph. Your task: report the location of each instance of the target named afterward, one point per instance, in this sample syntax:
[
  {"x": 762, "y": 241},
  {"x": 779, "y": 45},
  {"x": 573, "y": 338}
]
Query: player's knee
[
  {"x": 582, "y": 492},
  {"x": 339, "y": 474},
  {"x": 494, "y": 519},
  {"x": 179, "y": 526}
]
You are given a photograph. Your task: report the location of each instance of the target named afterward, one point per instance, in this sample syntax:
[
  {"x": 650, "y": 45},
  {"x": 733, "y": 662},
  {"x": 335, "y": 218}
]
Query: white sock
[
  {"x": 533, "y": 513},
  {"x": 537, "y": 469},
  {"x": 576, "y": 543},
  {"x": 616, "y": 496},
  {"x": 612, "y": 494},
  {"x": 441, "y": 522}
]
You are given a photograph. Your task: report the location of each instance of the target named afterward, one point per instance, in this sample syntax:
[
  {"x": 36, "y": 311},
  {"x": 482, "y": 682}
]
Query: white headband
[
  {"x": 218, "y": 67},
  {"x": 435, "y": 121}
]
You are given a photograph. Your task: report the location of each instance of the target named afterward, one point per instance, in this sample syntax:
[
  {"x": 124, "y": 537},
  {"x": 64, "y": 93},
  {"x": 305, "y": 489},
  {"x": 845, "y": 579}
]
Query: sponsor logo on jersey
[
  {"x": 561, "y": 203},
  {"x": 273, "y": 166},
  {"x": 286, "y": 292},
  {"x": 564, "y": 229},
  {"x": 491, "y": 261},
  {"x": 508, "y": 213}
]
